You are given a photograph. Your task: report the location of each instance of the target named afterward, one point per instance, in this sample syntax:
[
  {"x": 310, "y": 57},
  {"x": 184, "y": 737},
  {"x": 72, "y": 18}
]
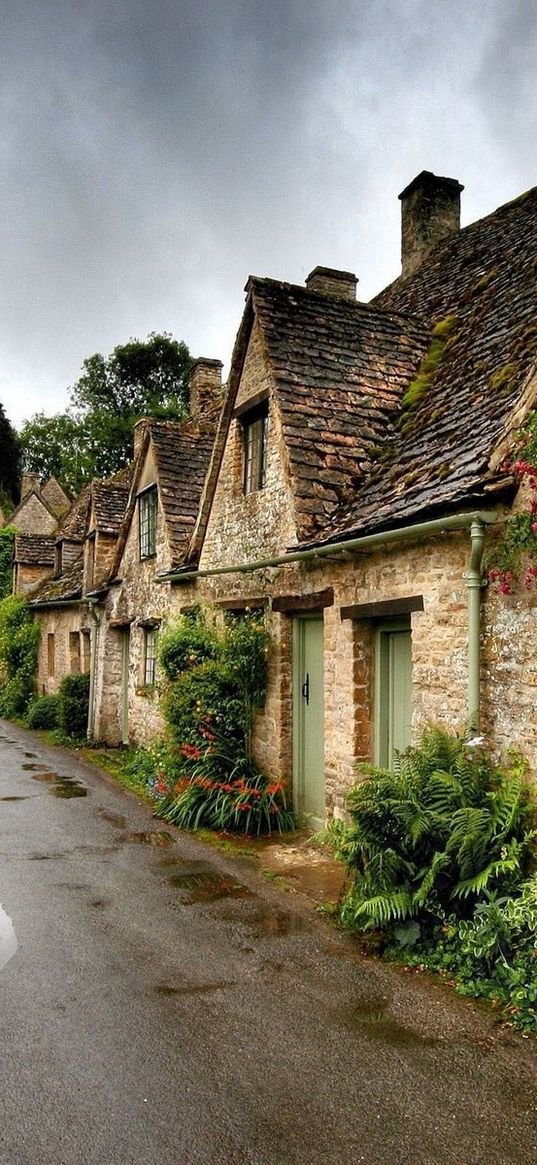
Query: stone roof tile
[
  {"x": 340, "y": 369},
  {"x": 182, "y": 454},
  {"x": 443, "y": 453},
  {"x": 34, "y": 549}
]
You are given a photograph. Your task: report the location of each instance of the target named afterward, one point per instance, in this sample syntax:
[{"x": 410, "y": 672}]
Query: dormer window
[
  {"x": 255, "y": 431},
  {"x": 147, "y": 509}
]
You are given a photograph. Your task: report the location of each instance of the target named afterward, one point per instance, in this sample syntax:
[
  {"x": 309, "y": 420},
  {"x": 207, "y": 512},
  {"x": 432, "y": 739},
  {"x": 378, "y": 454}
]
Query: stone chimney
[
  {"x": 430, "y": 210},
  {"x": 29, "y": 482},
  {"x": 138, "y": 434},
  {"x": 205, "y": 385},
  {"x": 327, "y": 281}
]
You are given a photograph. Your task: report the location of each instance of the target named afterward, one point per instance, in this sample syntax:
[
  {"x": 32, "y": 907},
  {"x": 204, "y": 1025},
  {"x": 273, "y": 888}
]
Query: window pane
[
  {"x": 150, "y": 657},
  {"x": 255, "y": 447},
  {"x": 148, "y": 524}
]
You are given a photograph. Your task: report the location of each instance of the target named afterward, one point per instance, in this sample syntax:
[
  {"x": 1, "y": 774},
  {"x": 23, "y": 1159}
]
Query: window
[
  {"x": 147, "y": 504},
  {"x": 150, "y": 656},
  {"x": 74, "y": 651},
  {"x": 51, "y": 655},
  {"x": 255, "y": 429}
]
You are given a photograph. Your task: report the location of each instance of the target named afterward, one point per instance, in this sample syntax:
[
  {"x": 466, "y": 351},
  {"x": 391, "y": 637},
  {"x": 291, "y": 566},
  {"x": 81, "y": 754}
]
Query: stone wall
[
  {"x": 60, "y": 622},
  {"x": 32, "y": 517},
  {"x": 260, "y": 523}
]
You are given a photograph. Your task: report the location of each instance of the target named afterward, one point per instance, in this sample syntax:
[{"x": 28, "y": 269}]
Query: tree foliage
[
  {"x": 93, "y": 438},
  {"x": 7, "y": 542},
  {"x": 10, "y": 460}
]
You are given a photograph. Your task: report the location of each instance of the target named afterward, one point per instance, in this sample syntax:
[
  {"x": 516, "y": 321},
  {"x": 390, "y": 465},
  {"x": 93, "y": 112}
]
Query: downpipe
[
  {"x": 95, "y": 623},
  {"x": 474, "y": 584}
]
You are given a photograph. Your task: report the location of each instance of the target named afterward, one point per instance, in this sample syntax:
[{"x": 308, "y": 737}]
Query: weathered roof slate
[
  {"x": 340, "y": 368},
  {"x": 34, "y": 549},
  {"x": 69, "y": 586},
  {"x": 110, "y": 496},
  {"x": 444, "y": 454},
  {"x": 75, "y": 523},
  {"x": 182, "y": 453}
]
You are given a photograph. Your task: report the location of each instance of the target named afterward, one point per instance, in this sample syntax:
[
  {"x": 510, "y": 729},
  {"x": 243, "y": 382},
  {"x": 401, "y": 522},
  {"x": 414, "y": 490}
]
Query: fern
[{"x": 431, "y": 838}]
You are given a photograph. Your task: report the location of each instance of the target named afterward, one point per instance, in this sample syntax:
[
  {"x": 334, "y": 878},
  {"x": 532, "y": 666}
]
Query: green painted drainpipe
[{"x": 476, "y": 523}]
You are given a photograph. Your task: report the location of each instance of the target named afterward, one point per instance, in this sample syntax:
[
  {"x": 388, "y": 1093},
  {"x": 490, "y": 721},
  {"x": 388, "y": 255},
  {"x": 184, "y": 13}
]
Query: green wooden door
[
  {"x": 393, "y": 711},
  {"x": 308, "y": 717}
]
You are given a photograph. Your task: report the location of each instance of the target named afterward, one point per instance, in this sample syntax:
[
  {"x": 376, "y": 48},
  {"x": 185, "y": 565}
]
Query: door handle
[{"x": 306, "y": 688}]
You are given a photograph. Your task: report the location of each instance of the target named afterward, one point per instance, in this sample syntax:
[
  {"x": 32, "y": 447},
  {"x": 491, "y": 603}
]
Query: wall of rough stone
[
  {"x": 27, "y": 577},
  {"x": 262, "y": 522},
  {"x": 60, "y": 622},
  {"x": 136, "y": 599},
  {"x": 34, "y": 518}
]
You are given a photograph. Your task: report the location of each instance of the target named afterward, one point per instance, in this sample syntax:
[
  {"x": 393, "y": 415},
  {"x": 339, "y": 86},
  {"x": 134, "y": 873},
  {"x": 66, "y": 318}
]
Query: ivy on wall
[{"x": 7, "y": 542}]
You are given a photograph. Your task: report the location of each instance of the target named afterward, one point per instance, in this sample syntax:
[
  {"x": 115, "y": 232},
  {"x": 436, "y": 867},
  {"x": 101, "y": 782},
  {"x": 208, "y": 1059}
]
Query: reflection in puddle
[
  {"x": 32, "y": 755},
  {"x": 14, "y": 798},
  {"x": 60, "y": 786},
  {"x": 114, "y": 818},
  {"x": 31, "y": 768},
  {"x": 8, "y": 941},
  {"x": 376, "y": 1025},
  {"x": 150, "y": 837},
  {"x": 201, "y": 883},
  {"x": 192, "y": 989},
  {"x": 265, "y": 920}
]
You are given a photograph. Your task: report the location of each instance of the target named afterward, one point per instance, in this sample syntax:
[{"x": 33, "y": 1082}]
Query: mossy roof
[{"x": 443, "y": 453}]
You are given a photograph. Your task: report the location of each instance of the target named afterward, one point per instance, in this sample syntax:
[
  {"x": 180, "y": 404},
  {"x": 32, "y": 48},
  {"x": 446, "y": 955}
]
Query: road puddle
[
  {"x": 8, "y": 939},
  {"x": 114, "y": 819},
  {"x": 371, "y": 1017},
  {"x": 31, "y": 768},
  {"x": 168, "y": 991},
  {"x": 265, "y": 921},
  {"x": 14, "y": 798},
  {"x": 155, "y": 837},
  {"x": 201, "y": 883},
  {"x": 31, "y": 755},
  {"x": 61, "y": 786}
]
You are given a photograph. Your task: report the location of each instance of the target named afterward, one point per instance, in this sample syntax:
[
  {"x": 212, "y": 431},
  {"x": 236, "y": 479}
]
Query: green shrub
[
  {"x": 73, "y": 705},
  {"x": 185, "y": 645},
  {"x": 216, "y": 683},
  {"x": 43, "y": 712},
  {"x": 19, "y": 645},
  {"x": 426, "y": 841},
  {"x": 493, "y": 955}
]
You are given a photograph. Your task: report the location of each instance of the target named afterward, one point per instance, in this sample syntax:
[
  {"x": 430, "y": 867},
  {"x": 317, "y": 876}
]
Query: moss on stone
[
  {"x": 442, "y": 332},
  {"x": 502, "y": 378}
]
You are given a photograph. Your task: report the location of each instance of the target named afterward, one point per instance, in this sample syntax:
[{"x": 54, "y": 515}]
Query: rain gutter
[
  {"x": 476, "y": 523},
  {"x": 399, "y": 534}
]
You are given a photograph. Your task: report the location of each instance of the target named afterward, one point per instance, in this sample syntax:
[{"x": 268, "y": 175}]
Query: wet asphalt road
[{"x": 164, "y": 1005}]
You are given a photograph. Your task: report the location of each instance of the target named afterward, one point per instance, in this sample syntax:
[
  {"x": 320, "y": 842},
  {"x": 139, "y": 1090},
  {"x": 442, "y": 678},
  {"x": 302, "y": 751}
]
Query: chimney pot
[
  {"x": 205, "y": 385},
  {"x": 430, "y": 210},
  {"x": 328, "y": 281}
]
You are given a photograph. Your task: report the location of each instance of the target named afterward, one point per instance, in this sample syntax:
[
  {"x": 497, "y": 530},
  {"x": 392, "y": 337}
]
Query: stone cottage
[
  {"x": 356, "y": 483},
  {"x": 351, "y": 488},
  {"x": 168, "y": 475},
  {"x": 84, "y": 550},
  {"x": 37, "y": 520}
]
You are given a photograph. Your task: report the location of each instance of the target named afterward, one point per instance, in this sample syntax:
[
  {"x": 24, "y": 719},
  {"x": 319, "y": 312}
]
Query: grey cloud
[{"x": 151, "y": 157}]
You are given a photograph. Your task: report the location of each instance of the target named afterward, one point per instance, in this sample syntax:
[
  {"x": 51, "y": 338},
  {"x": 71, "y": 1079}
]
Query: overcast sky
[{"x": 153, "y": 155}]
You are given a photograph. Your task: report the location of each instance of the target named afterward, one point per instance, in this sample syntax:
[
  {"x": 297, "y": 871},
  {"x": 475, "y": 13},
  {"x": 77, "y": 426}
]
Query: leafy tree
[
  {"x": 10, "y": 459},
  {"x": 93, "y": 438},
  {"x": 57, "y": 446}
]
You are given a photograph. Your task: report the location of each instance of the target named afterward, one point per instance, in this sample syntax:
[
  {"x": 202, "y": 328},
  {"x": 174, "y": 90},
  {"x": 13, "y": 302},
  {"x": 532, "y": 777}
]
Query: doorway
[{"x": 308, "y": 717}]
